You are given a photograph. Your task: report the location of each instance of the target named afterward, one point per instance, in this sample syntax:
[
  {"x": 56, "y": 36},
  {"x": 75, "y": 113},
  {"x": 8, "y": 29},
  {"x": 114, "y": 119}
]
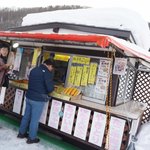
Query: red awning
[{"x": 101, "y": 40}]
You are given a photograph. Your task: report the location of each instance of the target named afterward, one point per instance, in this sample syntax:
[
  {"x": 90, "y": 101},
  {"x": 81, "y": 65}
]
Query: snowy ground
[{"x": 9, "y": 140}]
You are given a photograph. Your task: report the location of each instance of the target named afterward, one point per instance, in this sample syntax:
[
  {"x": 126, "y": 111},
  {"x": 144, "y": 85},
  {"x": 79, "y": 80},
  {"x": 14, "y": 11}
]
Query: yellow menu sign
[
  {"x": 85, "y": 74},
  {"x": 78, "y": 75},
  {"x": 81, "y": 60},
  {"x": 62, "y": 57},
  {"x": 92, "y": 73},
  {"x": 37, "y": 52},
  {"x": 72, "y": 75}
]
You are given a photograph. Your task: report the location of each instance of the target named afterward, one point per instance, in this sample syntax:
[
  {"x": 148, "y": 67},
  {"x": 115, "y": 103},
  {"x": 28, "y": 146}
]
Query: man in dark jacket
[{"x": 40, "y": 84}]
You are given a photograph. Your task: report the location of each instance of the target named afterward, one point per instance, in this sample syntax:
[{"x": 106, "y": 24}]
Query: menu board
[
  {"x": 68, "y": 118},
  {"x": 18, "y": 101},
  {"x": 82, "y": 123},
  {"x": 54, "y": 114},
  {"x": 44, "y": 113},
  {"x": 116, "y": 133},
  {"x": 97, "y": 129}
]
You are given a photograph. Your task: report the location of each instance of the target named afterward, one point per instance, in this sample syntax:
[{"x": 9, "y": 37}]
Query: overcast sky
[{"x": 141, "y": 6}]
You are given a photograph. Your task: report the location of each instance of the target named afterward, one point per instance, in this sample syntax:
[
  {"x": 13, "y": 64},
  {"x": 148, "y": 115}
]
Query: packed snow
[
  {"x": 9, "y": 140},
  {"x": 118, "y": 18}
]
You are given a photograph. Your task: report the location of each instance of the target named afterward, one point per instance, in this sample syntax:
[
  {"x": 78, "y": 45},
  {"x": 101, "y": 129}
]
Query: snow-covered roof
[{"x": 118, "y": 18}]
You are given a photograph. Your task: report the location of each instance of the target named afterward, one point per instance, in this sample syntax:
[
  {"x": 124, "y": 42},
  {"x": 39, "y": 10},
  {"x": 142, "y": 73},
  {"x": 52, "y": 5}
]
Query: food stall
[{"x": 95, "y": 75}]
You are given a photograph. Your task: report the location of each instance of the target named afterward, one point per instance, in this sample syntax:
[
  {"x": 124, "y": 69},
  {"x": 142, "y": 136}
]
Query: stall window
[
  {"x": 91, "y": 76},
  {"x": 61, "y": 66}
]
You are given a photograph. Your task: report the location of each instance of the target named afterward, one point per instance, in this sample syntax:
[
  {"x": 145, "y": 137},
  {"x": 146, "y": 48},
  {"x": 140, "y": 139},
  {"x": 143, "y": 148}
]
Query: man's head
[{"x": 49, "y": 63}]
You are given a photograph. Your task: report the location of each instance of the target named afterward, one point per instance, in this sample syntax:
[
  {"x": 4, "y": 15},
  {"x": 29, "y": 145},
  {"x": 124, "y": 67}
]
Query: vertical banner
[
  {"x": 85, "y": 75},
  {"x": 18, "y": 101},
  {"x": 2, "y": 94},
  {"x": 44, "y": 113},
  {"x": 18, "y": 59},
  {"x": 37, "y": 52},
  {"x": 54, "y": 114},
  {"x": 78, "y": 75},
  {"x": 116, "y": 133},
  {"x": 72, "y": 75},
  {"x": 92, "y": 73},
  {"x": 68, "y": 118},
  {"x": 82, "y": 123},
  {"x": 97, "y": 129}
]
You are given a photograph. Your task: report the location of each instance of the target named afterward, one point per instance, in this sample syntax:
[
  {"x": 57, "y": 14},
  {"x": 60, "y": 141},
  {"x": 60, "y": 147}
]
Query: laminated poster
[
  {"x": 97, "y": 129},
  {"x": 72, "y": 75},
  {"x": 44, "y": 113},
  {"x": 24, "y": 106},
  {"x": 54, "y": 114},
  {"x": 81, "y": 60},
  {"x": 116, "y": 133},
  {"x": 104, "y": 68},
  {"x": 37, "y": 52},
  {"x": 2, "y": 94},
  {"x": 18, "y": 59},
  {"x": 92, "y": 73},
  {"x": 120, "y": 66},
  {"x": 78, "y": 75},
  {"x": 68, "y": 118},
  {"x": 101, "y": 85},
  {"x": 85, "y": 75},
  {"x": 82, "y": 123},
  {"x": 18, "y": 101}
]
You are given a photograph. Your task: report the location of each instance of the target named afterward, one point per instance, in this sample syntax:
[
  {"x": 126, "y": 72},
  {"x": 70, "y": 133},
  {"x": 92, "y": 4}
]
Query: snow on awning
[{"x": 101, "y": 40}]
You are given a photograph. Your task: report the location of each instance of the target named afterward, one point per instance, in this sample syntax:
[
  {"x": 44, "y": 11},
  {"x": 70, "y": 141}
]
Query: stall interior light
[{"x": 15, "y": 45}]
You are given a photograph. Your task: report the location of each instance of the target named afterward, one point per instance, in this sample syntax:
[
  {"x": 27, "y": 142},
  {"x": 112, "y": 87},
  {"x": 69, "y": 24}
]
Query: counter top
[{"x": 131, "y": 109}]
